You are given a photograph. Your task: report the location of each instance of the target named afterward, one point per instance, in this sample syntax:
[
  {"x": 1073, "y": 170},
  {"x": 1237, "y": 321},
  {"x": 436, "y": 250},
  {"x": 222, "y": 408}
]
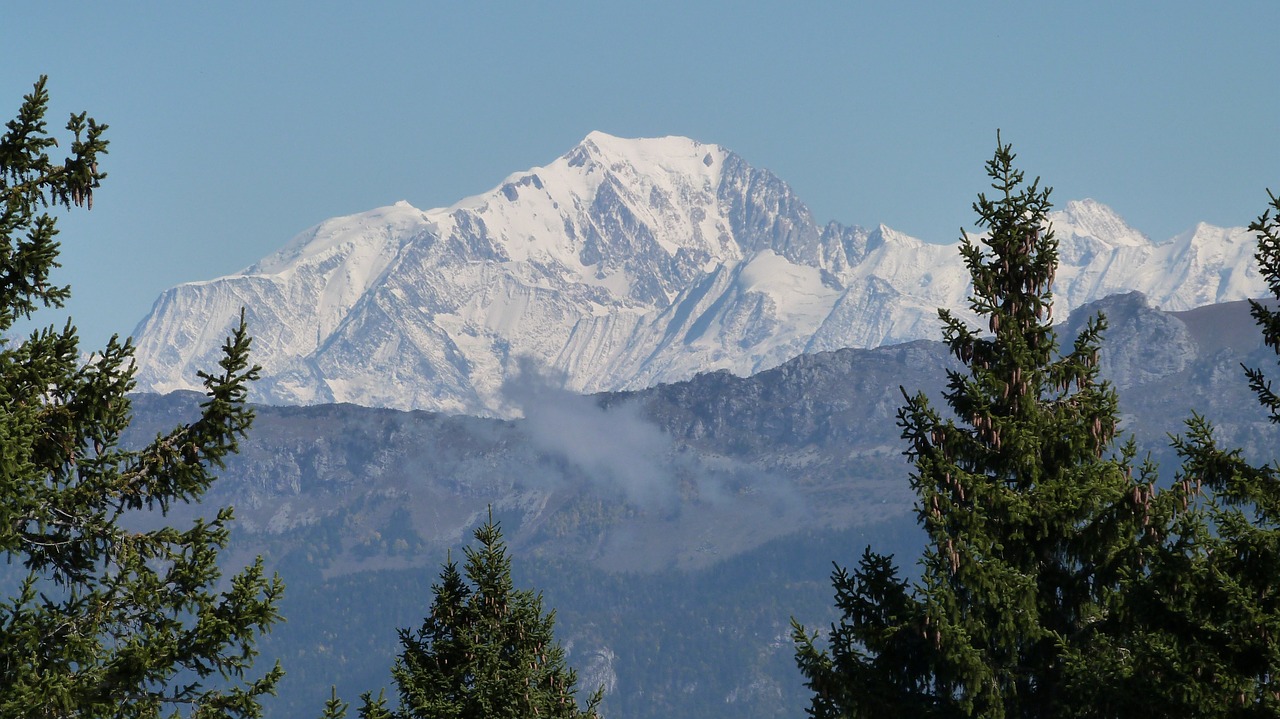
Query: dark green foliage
[
  {"x": 370, "y": 707},
  {"x": 1055, "y": 583},
  {"x": 334, "y": 708},
  {"x": 1202, "y": 623},
  {"x": 1204, "y": 618},
  {"x": 1267, "y": 227},
  {"x": 374, "y": 708},
  {"x": 485, "y": 650},
  {"x": 107, "y": 621},
  {"x": 1029, "y": 508}
]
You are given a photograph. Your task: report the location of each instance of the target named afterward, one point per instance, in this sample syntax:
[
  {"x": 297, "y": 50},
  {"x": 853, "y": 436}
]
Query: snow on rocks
[{"x": 621, "y": 264}]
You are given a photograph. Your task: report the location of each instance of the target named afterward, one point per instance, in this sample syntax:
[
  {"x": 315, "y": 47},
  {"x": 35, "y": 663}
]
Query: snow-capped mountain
[{"x": 622, "y": 264}]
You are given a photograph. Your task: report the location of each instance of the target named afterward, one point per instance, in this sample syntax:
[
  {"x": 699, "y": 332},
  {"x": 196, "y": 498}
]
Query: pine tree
[
  {"x": 485, "y": 651},
  {"x": 1030, "y": 508},
  {"x": 107, "y": 621}
]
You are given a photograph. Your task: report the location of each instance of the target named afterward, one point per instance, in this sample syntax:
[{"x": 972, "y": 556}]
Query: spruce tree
[
  {"x": 374, "y": 708},
  {"x": 1267, "y": 228},
  {"x": 334, "y": 708},
  {"x": 1029, "y": 506},
  {"x": 486, "y": 650},
  {"x": 107, "y": 620},
  {"x": 1201, "y": 624}
]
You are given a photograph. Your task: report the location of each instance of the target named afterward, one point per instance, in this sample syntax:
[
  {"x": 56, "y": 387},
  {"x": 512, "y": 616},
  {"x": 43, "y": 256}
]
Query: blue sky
[{"x": 235, "y": 125}]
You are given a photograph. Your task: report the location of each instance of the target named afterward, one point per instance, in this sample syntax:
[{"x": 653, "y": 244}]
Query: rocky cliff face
[
  {"x": 668, "y": 476},
  {"x": 620, "y": 265}
]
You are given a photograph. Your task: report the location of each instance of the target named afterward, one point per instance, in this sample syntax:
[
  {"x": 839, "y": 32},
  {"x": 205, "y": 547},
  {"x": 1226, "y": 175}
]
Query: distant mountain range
[
  {"x": 620, "y": 265},
  {"x": 814, "y": 440},
  {"x": 675, "y": 529}
]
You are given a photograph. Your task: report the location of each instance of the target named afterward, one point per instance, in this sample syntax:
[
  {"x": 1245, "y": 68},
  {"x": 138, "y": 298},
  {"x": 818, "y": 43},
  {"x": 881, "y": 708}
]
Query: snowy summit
[{"x": 621, "y": 264}]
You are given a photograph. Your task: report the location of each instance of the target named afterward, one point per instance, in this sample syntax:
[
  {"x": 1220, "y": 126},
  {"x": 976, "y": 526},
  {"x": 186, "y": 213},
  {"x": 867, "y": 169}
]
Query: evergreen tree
[
  {"x": 371, "y": 708},
  {"x": 106, "y": 621},
  {"x": 485, "y": 651},
  {"x": 1267, "y": 228},
  {"x": 334, "y": 708},
  {"x": 1201, "y": 624},
  {"x": 1030, "y": 508}
]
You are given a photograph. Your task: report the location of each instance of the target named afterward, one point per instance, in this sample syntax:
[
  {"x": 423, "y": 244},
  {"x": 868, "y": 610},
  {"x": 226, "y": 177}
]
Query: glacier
[{"x": 622, "y": 264}]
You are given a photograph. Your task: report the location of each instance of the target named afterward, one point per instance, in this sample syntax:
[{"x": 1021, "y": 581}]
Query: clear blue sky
[{"x": 235, "y": 125}]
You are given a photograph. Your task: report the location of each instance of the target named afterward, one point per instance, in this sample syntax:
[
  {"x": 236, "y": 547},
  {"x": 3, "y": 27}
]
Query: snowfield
[{"x": 621, "y": 264}]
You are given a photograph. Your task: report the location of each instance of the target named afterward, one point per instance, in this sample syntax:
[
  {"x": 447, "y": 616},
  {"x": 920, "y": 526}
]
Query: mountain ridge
[
  {"x": 621, "y": 264},
  {"x": 638, "y": 511}
]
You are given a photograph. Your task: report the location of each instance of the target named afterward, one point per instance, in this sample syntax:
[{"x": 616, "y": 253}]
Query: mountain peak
[
  {"x": 618, "y": 265},
  {"x": 349, "y": 230},
  {"x": 1090, "y": 218},
  {"x": 670, "y": 153}
]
